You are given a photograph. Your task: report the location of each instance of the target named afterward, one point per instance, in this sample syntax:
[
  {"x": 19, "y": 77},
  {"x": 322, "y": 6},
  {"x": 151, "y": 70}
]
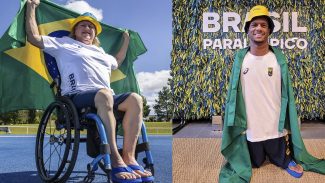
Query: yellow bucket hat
[
  {"x": 259, "y": 11},
  {"x": 87, "y": 17}
]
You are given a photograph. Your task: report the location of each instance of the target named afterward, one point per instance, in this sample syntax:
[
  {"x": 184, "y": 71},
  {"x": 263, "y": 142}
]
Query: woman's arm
[
  {"x": 120, "y": 56},
  {"x": 32, "y": 32}
]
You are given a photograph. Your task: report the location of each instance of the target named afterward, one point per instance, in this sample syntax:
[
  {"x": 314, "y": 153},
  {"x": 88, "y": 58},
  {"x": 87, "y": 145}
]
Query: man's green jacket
[{"x": 234, "y": 145}]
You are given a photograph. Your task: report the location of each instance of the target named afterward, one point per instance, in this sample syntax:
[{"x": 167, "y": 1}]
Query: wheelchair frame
[{"x": 66, "y": 134}]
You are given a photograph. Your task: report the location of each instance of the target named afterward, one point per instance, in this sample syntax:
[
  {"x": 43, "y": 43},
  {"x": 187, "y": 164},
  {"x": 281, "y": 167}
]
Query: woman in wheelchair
[{"x": 85, "y": 71}]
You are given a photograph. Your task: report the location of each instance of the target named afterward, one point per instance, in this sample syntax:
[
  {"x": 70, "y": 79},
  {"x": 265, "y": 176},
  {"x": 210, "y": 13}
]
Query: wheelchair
[{"x": 59, "y": 135}]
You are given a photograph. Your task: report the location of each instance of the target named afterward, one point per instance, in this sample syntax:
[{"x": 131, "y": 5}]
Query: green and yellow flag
[{"x": 24, "y": 79}]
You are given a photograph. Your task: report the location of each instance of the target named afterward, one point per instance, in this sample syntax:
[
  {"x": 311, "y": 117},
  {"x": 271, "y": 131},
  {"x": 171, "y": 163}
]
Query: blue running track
[{"x": 17, "y": 162}]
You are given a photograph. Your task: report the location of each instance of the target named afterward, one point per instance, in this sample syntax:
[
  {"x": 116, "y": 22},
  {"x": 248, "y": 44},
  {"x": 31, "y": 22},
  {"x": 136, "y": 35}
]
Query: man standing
[{"x": 260, "y": 111}]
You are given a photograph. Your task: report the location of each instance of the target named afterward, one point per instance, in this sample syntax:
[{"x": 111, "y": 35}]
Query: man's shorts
[
  {"x": 86, "y": 99},
  {"x": 277, "y": 150}
]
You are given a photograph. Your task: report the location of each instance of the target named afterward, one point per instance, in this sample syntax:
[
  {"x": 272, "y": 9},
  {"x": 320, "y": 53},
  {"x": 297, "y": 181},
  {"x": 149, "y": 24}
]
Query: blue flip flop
[
  {"x": 144, "y": 179},
  {"x": 293, "y": 173},
  {"x": 123, "y": 169}
]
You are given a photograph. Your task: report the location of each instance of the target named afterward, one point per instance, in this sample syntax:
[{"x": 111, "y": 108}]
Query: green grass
[
  {"x": 158, "y": 124},
  {"x": 159, "y": 128},
  {"x": 153, "y": 128}
]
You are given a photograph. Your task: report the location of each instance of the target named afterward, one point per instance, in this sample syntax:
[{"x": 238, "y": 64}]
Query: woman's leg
[
  {"x": 132, "y": 121},
  {"x": 104, "y": 105}
]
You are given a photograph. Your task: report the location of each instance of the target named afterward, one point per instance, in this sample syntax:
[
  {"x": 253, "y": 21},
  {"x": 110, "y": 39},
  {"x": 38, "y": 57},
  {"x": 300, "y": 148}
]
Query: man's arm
[
  {"x": 32, "y": 32},
  {"x": 120, "y": 56}
]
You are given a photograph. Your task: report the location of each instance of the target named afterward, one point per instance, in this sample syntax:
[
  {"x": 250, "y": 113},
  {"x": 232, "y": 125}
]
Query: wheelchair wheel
[{"x": 57, "y": 141}]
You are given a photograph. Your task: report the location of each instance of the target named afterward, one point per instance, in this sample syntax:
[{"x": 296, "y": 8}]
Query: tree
[
  {"x": 31, "y": 116},
  {"x": 146, "y": 107},
  {"x": 164, "y": 105},
  {"x": 151, "y": 119},
  {"x": 21, "y": 117},
  {"x": 10, "y": 117}
]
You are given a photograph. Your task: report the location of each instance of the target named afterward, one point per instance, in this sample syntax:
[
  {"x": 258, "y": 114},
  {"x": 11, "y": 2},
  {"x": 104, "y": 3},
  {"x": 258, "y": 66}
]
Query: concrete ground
[
  {"x": 197, "y": 157},
  {"x": 198, "y": 160},
  {"x": 309, "y": 130}
]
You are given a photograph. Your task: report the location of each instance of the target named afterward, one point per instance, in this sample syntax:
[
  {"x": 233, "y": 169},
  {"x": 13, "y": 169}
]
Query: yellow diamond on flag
[{"x": 34, "y": 58}]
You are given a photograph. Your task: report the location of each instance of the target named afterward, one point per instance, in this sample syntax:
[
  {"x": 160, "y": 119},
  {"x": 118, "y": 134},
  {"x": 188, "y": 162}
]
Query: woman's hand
[
  {"x": 32, "y": 32},
  {"x": 126, "y": 35},
  {"x": 120, "y": 56},
  {"x": 33, "y": 2}
]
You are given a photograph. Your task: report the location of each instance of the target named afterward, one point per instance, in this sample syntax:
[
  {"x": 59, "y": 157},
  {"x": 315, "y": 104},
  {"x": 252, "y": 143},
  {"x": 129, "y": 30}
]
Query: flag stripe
[{"x": 20, "y": 92}]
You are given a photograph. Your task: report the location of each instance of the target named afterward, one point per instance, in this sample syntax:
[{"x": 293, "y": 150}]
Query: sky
[{"x": 152, "y": 19}]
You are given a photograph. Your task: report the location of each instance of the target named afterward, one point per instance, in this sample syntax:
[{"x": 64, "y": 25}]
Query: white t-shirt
[
  {"x": 82, "y": 67},
  {"x": 261, "y": 84}
]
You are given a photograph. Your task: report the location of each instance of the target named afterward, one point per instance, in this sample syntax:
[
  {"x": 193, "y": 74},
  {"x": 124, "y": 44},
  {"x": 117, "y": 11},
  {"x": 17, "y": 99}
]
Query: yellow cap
[
  {"x": 258, "y": 11},
  {"x": 87, "y": 17}
]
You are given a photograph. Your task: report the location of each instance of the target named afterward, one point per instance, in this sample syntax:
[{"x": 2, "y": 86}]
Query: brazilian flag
[{"x": 24, "y": 79}]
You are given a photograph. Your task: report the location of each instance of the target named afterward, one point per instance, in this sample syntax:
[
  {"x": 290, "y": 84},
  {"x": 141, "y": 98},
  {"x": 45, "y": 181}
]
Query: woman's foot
[
  {"x": 147, "y": 178},
  {"x": 140, "y": 171},
  {"x": 137, "y": 171},
  {"x": 123, "y": 174}
]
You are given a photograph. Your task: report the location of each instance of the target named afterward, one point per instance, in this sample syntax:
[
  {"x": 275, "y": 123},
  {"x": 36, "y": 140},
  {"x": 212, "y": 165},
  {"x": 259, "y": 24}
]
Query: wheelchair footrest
[{"x": 107, "y": 169}]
